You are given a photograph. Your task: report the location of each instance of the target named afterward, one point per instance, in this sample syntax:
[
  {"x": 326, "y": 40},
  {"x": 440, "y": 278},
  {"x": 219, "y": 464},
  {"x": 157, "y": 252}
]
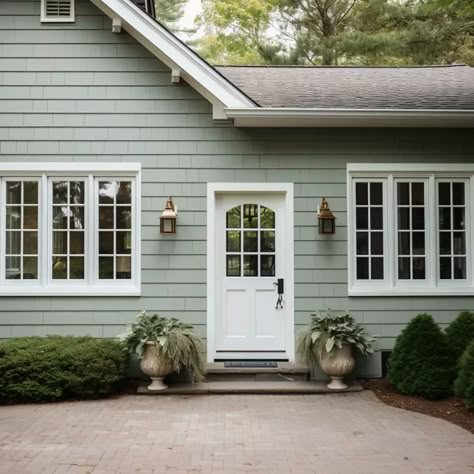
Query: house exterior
[{"x": 104, "y": 114}]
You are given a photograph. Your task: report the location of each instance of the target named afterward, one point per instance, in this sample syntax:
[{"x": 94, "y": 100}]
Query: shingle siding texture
[
  {"x": 81, "y": 93},
  {"x": 437, "y": 87}
]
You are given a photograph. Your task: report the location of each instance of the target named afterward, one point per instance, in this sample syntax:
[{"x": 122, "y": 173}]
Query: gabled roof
[
  {"x": 432, "y": 87},
  {"x": 183, "y": 62},
  {"x": 307, "y": 96}
]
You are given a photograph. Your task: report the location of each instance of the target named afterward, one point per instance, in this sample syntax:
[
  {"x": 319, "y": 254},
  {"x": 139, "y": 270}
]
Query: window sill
[
  {"x": 455, "y": 291},
  {"x": 70, "y": 291}
]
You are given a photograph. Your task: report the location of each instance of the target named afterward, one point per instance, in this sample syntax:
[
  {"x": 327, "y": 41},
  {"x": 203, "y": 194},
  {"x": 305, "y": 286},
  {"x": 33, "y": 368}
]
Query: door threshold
[
  {"x": 222, "y": 356},
  {"x": 227, "y": 359}
]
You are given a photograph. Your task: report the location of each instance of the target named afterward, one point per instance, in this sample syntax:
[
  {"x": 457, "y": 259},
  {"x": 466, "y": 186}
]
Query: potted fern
[
  {"x": 328, "y": 343},
  {"x": 164, "y": 345}
]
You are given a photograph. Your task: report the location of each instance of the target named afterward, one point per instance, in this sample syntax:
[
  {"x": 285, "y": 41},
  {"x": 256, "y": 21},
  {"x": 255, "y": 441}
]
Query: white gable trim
[{"x": 169, "y": 49}]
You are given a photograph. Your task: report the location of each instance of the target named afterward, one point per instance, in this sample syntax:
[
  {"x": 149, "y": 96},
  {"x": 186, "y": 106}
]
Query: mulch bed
[{"x": 451, "y": 409}]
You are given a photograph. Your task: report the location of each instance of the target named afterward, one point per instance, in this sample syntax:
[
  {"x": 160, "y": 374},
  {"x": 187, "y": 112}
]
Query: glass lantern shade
[
  {"x": 327, "y": 220},
  {"x": 168, "y": 218}
]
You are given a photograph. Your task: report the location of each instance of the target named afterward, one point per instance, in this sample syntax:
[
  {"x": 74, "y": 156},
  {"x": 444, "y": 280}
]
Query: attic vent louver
[{"x": 57, "y": 11}]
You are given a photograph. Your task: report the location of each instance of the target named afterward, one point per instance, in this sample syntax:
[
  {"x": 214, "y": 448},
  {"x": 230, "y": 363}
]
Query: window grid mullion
[{"x": 91, "y": 247}]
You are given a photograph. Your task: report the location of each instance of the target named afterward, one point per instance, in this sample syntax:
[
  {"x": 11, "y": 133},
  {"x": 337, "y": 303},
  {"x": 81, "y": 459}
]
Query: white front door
[{"x": 250, "y": 247}]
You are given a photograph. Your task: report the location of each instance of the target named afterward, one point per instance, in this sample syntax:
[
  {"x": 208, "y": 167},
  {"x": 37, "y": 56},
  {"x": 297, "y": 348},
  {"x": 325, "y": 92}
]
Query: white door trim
[{"x": 286, "y": 189}]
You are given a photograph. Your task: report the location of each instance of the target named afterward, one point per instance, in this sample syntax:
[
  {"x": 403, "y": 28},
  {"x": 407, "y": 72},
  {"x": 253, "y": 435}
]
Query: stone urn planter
[
  {"x": 328, "y": 342},
  {"x": 153, "y": 365},
  {"x": 337, "y": 365}
]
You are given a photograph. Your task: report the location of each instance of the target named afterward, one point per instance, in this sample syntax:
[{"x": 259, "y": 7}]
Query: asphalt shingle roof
[{"x": 431, "y": 87}]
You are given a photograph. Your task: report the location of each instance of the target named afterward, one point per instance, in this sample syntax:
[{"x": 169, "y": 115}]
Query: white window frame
[
  {"x": 431, "y": 174},
  {"x": 58, "y": 19},
  {"x": 3, "y": 208},
  {"x": 91, "y": 285},
  {"x": 382, "y": 283}
]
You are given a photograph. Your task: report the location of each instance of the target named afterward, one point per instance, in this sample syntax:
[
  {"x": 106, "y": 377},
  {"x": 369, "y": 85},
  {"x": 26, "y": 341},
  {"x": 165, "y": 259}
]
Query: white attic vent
[{"x": 57, "y": 11}]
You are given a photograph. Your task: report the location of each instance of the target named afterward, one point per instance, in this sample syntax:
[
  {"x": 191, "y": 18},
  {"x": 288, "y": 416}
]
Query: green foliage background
[
  {"x": 465, "y": 381},
  {"x": 460, "y": 333},
  {"x": 331, "y": 32}
]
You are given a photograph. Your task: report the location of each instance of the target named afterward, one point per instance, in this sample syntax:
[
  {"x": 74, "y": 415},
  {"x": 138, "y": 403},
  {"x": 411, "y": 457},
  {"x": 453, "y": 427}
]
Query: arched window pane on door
[{"x": 250, "y": 241}]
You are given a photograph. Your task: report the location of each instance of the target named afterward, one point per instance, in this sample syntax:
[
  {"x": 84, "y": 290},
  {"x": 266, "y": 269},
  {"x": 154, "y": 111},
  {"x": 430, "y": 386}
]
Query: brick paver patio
[{"x": 340, "y": 433}]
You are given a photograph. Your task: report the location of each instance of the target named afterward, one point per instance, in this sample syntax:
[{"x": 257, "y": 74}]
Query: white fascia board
[
  {"x": 163, "y": 44},
  {"x": 297, "y": 117}
]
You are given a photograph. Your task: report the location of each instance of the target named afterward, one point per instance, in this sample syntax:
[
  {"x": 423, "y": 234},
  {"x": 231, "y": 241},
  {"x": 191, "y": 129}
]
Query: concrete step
[
  {"x": 261, "y": 387},
  {"x": 285, "y": 372}
]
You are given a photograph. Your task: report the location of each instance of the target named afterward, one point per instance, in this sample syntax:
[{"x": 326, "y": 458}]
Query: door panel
[{"x": 250, "y": 242}]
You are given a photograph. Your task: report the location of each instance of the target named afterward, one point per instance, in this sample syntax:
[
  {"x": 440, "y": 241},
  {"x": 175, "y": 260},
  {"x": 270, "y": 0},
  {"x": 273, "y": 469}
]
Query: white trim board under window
[
  {"x": 70, "y": 229},
  {"x": 427, "y": 224}
]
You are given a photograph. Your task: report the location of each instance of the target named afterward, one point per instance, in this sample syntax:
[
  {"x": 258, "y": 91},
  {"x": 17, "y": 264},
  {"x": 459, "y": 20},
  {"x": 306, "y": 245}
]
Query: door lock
[{"x": 280, "y": 287}]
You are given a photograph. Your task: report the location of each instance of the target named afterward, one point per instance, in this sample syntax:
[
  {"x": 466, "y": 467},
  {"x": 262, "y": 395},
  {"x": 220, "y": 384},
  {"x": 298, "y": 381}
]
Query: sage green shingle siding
[{"x": 81, "y": 93}]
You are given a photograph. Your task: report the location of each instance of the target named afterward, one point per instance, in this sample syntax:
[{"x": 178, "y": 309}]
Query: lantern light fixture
[
  {"x": 327, "y": 220},
  {"x": 168, "y": 218}
]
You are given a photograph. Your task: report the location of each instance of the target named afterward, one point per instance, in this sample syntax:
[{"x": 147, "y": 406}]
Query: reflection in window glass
[
  {"x": 68, "y": 210},
  {"x": 115, "y": 224},
  {"x": 21, "y": 230}
]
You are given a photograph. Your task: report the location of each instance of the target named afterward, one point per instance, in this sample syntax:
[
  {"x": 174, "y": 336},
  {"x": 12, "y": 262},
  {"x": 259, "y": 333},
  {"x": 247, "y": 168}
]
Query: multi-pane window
[
  {"x": 369, "y": 230},
  {"x": 21, "y": 229},
  {"x": 68, "y": 229},
  {"x": 115, "y": 230},
  {"x": 67, "y": 234},
  {"x": 452, "y": 230},
  {"x": 250, "y": 241},
  {"x": 410, "y": 233}
]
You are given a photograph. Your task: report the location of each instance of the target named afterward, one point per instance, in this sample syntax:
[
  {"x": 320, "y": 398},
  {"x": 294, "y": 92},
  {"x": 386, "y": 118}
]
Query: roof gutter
[{"x": 330, "y": 117}]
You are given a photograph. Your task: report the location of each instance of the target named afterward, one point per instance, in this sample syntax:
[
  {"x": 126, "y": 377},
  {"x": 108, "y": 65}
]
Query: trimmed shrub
[
  {"x": 465, "y": 382},
  {"x": 38, "y": 369},
  {"x": 460, "y": 334},
  {"x": 421, "y": 362}
]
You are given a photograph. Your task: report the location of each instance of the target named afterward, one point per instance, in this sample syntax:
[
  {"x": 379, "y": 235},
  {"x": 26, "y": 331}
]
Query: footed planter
[
  {"x": 153, "y": 365},
  {"x": 337, "y": 366}
]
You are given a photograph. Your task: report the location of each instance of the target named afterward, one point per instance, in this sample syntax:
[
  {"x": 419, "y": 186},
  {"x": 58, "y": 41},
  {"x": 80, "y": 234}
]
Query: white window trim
[
  {"x": 432, "y": 173},
  {"x": 58, "y": 19},
  {"x": 90, "y": 171}
]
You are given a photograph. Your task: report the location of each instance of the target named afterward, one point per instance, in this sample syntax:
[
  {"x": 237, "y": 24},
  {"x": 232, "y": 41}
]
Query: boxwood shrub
[
  {"x": 465, "y": 381},
  {"x": 39, "y": 369},
  {"x": 421, "y": 361},
  {"x": 460, "y": 333}
]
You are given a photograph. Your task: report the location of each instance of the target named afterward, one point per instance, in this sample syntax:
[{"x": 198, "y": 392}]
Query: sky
[{"x": 192, "y": 9}]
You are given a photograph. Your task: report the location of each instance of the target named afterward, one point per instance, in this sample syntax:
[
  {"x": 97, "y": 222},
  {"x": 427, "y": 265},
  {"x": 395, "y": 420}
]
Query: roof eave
[
  {"x": 171, "y": 51},
  {"x": 327, "y": 117}
]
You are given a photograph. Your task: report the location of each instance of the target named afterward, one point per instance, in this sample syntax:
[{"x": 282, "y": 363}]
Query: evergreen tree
[
  {"x": 169, "y": 12},
  {"x": 328, "y": 32},
  {"x": 460, "y": 333},
  {"x": 421, "y": 362}
]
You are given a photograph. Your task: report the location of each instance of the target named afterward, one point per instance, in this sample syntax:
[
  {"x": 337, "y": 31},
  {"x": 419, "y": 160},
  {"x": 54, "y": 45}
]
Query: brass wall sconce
[
  {"x": 168, "y": 218},
  {"x": 327, "y": 220}
]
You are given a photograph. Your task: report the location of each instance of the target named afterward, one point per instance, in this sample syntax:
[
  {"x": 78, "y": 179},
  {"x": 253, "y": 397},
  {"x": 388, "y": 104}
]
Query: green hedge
[
  {"x": 465, "y": 381},
  {"x": 460, "y": 333},
  {"x": 421, "y": 361},
  {"x": 37, "y": 369}
]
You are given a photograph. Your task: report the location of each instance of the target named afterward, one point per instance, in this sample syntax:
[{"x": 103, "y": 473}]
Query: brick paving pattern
[{"x": 340, "y": 433}]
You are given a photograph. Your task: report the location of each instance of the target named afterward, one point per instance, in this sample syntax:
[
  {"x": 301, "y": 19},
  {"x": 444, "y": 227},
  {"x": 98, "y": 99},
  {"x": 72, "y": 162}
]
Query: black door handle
[{"x": 281, "y": 289}]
